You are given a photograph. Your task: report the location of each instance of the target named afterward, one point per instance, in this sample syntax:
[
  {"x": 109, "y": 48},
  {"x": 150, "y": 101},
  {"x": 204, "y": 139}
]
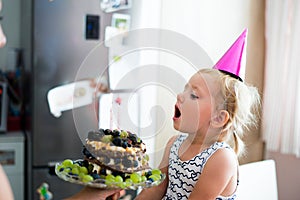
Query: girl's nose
[{"x": 180, "y": 97}]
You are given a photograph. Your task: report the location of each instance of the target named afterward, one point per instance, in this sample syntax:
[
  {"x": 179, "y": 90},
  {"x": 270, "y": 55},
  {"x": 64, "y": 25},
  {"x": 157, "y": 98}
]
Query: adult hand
[
  {"x": 97, "y": 194},
  {"x": 99, "y": 86}
]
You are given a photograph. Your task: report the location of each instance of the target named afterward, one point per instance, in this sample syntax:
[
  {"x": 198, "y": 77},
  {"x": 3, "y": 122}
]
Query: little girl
[{"x": 213, "y": 110}]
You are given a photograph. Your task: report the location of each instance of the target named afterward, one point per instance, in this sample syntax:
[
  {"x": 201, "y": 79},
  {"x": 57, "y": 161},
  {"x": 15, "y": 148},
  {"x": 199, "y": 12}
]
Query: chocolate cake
[{"x": 117, "y": 150}]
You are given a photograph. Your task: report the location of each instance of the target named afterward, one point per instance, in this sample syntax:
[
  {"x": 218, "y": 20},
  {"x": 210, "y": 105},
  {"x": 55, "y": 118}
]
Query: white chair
[{"x": 258, "y": 181}]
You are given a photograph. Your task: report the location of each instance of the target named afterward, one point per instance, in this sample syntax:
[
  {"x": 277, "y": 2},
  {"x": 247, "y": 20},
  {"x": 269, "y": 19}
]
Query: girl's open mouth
[{"x": 177, "y": 112}]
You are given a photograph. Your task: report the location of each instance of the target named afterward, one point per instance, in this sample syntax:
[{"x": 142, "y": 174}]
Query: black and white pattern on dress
[{"x": 183, "y": 175}]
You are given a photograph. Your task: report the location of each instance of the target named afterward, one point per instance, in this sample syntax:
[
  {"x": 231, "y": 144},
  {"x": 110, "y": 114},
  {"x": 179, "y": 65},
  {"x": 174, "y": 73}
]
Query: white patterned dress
[{"x": 183, "y": 175}]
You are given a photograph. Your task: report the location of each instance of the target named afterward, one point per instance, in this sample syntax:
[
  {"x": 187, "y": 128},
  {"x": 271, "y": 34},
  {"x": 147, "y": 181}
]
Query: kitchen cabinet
[{"x": 12, "y": 160}]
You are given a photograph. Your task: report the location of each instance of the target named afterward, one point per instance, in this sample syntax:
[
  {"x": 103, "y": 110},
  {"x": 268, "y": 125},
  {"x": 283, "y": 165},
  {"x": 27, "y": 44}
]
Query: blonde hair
[{"x": 241, "y": 101}]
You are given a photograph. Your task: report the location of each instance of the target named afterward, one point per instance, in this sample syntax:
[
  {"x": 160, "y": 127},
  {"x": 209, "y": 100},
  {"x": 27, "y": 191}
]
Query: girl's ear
[{"x": 220, "y": 119}]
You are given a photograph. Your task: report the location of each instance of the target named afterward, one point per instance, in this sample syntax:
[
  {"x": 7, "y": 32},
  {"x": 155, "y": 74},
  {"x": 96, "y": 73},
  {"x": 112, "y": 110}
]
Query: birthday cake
[
  {"x": 112, "y": 159},
  {"x": 117, "y": 150}
]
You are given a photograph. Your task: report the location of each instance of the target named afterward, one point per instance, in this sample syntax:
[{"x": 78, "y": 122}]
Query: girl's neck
[
  {"x": 202, "y": 139},
  {"x": 193, "y": 145}
]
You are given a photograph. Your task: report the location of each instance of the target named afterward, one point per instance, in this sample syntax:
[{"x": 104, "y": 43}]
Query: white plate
[{"x": 100, "y": 183}]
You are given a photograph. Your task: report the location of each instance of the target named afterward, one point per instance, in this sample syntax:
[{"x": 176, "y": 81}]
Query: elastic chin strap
[{"x": 232, "y": 75}]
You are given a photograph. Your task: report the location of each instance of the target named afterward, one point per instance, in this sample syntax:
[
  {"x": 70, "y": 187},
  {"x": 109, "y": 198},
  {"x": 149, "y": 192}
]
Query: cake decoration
[
  {"x": 112, "y": 159},
  {"x": 118, "y": 100},
  {"x": 44, "y": 192}
]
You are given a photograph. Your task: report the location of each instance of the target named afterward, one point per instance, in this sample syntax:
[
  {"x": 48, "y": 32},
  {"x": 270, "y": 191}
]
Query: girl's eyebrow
[
  {"x": 191, "y": 86},
  {"x": 194, "y": 87},
  {"x": 198, "y": 89},
  {"x": 186, "y": 86}
]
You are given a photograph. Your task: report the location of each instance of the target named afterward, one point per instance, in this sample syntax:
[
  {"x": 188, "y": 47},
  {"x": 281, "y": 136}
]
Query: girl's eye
[{"x": 193, "y": 96}]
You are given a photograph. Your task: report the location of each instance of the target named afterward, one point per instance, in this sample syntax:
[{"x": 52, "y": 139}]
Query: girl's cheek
[{"x": 194, "y": 114}]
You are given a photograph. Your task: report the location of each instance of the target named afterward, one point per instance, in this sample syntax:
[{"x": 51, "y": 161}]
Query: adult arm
[
  {"x": 5, "y": 189},
  {"x": 97, "y": 194}
]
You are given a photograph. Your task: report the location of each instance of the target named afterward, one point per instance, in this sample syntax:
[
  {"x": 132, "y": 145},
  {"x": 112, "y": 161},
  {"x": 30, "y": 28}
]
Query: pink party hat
[{"x": 233, "y": 62}]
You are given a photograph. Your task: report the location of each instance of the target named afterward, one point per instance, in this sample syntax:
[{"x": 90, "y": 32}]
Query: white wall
[
  {"x": 11, "y": 11},
  {"x": 146, "y": 14},
  {"x": 213, "y": 24}
]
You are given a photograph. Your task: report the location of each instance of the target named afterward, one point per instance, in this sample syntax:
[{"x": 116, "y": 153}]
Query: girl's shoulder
[
  {"x": 220, "y": 154},
  {"x": 224, "y": 156},
  {"x": 223, "y": 151}
]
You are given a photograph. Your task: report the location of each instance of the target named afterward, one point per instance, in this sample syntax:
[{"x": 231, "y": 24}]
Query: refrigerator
[{"x": 66, "y": 36}]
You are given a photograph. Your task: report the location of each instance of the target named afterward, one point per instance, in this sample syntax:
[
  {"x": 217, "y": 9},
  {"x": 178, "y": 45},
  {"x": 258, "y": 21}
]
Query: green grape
[
  {"x": 81, "y": 175},
  {"x": 109, "y": 182},
  {"x": 67, "y": 163},
  {"x": 156, "y": 171},
  {"x": 155, "y": 177},
  {"x": 123, "y": 134},
  {"x": 83, "y": 170},
  {"x": 75, "y": 170},
  {"x": 121, "y": 185},
  {"x": 60, "y": 167},
  {"x": 144, "y": 161},
  {"x": 135, "y": 177},
  {"x": 118, "y": 179},
  {"x": 146, "y": 157},
  {"x": 102, "y": 176},
  {"x": 90, "y": 168},
  {"x": 110, "y": 177},
  {"x": 144, "y": 179},
  {"x": 76, "y": 165},
  {"x": 106, "y": 138},
  {"x": 67, "y": 170},
  {"x": 128, "y": 182},
  {"x": 87, "y": 178}
]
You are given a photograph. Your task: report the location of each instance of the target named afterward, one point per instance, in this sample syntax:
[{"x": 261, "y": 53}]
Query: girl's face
[
  {"x": 194, "y": 105},
  {"x": 2, "y": 36}
]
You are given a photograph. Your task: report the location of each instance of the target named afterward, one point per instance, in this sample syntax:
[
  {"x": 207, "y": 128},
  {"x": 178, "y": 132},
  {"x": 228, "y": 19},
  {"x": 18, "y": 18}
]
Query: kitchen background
[{"x": 211, "y": 24}]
